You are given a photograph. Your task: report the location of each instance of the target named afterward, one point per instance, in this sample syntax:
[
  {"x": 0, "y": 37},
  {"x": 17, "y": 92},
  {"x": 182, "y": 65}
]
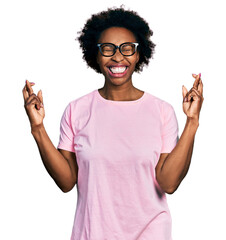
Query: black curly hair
[{"x": 115, "y": 17}]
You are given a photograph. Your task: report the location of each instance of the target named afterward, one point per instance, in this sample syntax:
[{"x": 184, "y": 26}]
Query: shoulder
[
  {"x": 79, "y": 108},
  {"x": 159, "y": 103},
  {"x": 80, "y": 104},
  {"x": 161, "y": 108},
  {"x": 82, "y": 101}
]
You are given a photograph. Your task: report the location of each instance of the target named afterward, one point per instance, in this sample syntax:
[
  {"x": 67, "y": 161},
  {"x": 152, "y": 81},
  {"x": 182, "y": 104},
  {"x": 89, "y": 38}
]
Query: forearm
[
  {"x": 54, "y": 162},
  {"x": 176, "y": 165}
]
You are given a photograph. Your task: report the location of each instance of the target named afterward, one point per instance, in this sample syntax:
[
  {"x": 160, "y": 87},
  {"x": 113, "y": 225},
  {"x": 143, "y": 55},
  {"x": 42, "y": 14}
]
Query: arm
[
  {"x": 173, "y": 167},
  {"x": 60, "y": 164}
]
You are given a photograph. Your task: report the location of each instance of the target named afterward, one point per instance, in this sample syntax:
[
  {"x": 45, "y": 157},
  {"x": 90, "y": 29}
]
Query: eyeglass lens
[{"x": 126, "y": 49}]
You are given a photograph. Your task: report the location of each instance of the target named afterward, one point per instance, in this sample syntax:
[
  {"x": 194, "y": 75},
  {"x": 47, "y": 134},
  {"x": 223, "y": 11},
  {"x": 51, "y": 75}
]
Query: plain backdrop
[{"x": 37, "y": 42}]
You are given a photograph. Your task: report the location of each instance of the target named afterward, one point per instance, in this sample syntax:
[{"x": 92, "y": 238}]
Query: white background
[{"x": 38, "y": 43}]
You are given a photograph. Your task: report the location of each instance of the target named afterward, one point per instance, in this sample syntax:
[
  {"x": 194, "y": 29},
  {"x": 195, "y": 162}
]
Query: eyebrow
[{"x": 114, "y": 44}]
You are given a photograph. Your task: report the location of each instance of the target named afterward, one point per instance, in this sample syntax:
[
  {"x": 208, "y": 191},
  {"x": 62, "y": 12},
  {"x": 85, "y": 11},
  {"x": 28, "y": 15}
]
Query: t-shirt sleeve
[
  {"x": 66, "y": 141},
  {"x": 169, "y": 129}
]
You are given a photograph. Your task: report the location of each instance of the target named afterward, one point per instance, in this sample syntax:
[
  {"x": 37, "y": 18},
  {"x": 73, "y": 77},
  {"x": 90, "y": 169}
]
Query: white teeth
[{"x": 118, "y": 69}]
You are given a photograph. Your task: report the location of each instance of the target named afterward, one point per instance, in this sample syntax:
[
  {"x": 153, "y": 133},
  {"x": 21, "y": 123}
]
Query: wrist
[
  {"x": 37, "y": 129},
  {"x": 192, "y": 122}
]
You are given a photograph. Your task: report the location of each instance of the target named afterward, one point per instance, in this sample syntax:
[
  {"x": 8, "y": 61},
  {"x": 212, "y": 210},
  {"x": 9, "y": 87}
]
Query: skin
[
  {"x": 62, "y": 165},
  {"x": 118, "y": 88},
  {"x": 172, "y": 167}
]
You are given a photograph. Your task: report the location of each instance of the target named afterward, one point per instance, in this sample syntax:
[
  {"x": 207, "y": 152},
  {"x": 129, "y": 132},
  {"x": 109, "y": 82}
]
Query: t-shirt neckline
[{"x": 119, "y": 102}]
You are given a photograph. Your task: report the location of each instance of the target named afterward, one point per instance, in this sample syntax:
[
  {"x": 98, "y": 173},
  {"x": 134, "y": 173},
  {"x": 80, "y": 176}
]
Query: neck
[{"x": 120, "y": 93}]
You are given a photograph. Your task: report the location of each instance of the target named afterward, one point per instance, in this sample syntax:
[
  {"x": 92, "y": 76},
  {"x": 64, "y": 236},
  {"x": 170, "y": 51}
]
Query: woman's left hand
[{"x": 193, "y": 99}]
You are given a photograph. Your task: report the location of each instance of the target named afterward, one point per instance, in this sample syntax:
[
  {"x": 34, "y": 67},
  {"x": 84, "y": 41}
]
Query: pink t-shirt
[{"x": 117, "y": 146}]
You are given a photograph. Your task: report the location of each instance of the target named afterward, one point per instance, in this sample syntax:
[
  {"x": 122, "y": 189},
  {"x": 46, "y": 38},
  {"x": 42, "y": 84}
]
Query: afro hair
[{"x": 116, "y": 17}]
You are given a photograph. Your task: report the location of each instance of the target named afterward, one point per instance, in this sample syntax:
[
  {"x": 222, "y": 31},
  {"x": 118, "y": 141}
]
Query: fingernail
[
  {"x": 193, "y": 74},
  {"x": 32, "y": 82},
  {"x": 41, "y": 105},
  {"x": 199, "y": 74}
]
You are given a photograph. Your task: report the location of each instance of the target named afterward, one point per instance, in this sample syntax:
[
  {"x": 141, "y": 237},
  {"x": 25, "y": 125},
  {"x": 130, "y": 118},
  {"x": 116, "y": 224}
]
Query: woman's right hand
[{"x": 33, "y": 105}]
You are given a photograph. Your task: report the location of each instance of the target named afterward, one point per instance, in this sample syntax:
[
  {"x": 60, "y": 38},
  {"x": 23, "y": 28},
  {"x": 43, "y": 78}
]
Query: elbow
[
  {"x": 67, "y": 188},
  {"x": 166, "y": 186},
  {"x": 170, "y": 190}
]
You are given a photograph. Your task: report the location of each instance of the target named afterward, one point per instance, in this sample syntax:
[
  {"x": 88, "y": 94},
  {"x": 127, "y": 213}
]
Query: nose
[{"x": 118, "y": 57}]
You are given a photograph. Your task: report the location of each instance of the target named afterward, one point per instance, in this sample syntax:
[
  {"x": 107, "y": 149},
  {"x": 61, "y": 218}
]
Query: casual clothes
[{"x": 117, "y": 146}]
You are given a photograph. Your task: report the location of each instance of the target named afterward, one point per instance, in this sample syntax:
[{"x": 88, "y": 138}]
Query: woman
[{"x": 118, "y": 143}]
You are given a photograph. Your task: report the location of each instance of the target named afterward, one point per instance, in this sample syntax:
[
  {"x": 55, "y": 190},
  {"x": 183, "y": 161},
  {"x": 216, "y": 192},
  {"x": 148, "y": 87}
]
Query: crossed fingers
[
  {"x": 30, "y": 97},
  {"x": 196, "y": 92}
]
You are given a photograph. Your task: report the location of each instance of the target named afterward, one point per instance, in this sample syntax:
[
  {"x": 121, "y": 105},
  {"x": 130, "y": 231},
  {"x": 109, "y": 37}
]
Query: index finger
[
  {"x": 29, "y": 88},
  {"x": 25, "y": 90},
  {"x": 25, "y": 93},
  {"x": 200, "y": 87},
  {"x": 196, "y": 83}
]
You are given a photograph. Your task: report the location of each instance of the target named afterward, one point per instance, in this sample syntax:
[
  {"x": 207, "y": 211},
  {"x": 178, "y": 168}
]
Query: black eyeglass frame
[{"x": 117, "y": 47}]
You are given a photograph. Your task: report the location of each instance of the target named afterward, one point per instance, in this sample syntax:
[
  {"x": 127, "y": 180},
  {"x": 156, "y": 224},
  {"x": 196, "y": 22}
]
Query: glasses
[{"x": 109, "y": 49}]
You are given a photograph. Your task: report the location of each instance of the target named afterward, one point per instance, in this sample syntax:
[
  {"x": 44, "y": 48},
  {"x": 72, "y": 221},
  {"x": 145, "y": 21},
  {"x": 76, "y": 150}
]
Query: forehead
[{"x": 117, "y": 35}]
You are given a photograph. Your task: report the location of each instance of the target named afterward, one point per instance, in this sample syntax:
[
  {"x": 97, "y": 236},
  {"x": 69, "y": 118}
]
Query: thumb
[
  {"x": 184, "y": 91},
  {"x": 39, "y": 95}
]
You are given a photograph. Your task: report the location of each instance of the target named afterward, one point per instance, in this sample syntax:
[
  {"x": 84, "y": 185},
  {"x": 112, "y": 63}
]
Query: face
[{"x": 117, "y": 69}]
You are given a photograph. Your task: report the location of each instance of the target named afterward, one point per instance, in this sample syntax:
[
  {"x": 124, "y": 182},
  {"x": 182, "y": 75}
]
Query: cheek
[
  {"x": 100, "y": 61},
  {"x": 134, "y": 60}
]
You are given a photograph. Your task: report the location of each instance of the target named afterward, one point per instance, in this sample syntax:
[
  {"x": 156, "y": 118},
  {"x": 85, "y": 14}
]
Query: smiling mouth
[{"x": 118, "y": 69}]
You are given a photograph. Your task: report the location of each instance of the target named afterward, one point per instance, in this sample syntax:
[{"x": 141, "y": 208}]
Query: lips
[{"x": 117, "y": 70}]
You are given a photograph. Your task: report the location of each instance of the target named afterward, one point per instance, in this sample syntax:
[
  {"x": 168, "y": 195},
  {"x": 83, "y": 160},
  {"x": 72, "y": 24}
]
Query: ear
[
  {"x": 97, "y": 58},
  {"x": 138, "y": 57}
]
